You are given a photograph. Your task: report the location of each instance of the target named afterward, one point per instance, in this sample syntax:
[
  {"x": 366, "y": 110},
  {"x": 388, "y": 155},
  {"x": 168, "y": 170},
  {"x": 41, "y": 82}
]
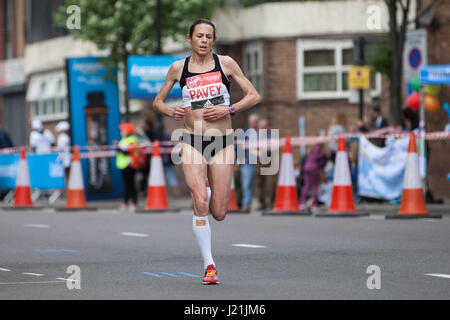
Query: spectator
[
  {"x": 40, "y": 141},
  {"x": 337, "y": 126},
  {"x": 127, "y": 162},
  {"x": 169, "y": 173},
  {"x": 247, "y": 162},
  {"x": 5, "y": 140},
  {"x": 266, "y": 184},
  {"x": 63, "y": 144},
  {"x": 314, "y": 164},
  {"x": 145, "y": 134},
  {"x": 374, "y": 121}
]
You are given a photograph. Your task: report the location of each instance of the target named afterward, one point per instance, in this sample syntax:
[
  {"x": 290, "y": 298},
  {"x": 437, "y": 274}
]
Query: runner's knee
[{"x": 219, "y": 214}]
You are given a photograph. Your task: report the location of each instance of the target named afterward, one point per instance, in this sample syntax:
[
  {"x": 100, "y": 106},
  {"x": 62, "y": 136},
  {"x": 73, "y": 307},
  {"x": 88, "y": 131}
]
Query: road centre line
[
  {"x": 3, "y": 269},
  {"x": 37, "y": 225},
  {"x": 246, "y": 245},
  {"x": 134, "y": 234},
  {"x": 31, "y": 282},
  {"x": 439, "y": 275},
  {"x": 32, "y": 274},
  {"x": 65, "y": 279}
]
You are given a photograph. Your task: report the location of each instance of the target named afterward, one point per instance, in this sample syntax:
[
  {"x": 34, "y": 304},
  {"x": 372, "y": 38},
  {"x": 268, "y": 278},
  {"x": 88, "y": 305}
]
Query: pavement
[{"x": 113, "y": 254}]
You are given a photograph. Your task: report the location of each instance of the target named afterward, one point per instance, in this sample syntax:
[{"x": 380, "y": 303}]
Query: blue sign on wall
[
  {"x": 95, "y": 118},
  {"x": 147, "y": 74}
]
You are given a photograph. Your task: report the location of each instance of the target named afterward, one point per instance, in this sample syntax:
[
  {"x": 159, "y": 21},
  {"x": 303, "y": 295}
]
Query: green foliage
[
  {"x": 128, "y": 27},
  {"x": 380, "y": 58}
]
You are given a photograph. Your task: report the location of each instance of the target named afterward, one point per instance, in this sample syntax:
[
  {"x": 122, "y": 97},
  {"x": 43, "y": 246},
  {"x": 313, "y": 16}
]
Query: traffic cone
[
  {"x": 75, "y": 189},
  {"x": 232, "y": 204},
  {"x": 156, "y": 192},
  {"x": 342, "y": 204},
  {"x": 413, "y": 200},
  {"x": 286, "y": 200},
  {"x": 22, "y": 194}
]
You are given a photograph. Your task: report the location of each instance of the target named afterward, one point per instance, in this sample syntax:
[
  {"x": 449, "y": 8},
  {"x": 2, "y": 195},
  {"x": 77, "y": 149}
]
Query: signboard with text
[
  {"x": 414, "y": 53},
  {"x": 147, "y": 74},
  {"x": 359, "y": 77},
  {"x": 95, "y": 118}
]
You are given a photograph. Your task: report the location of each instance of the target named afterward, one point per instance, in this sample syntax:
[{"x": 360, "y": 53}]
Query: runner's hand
[
  {"x": 215, "y": 113},
  {"x": 178, "y": 113}
]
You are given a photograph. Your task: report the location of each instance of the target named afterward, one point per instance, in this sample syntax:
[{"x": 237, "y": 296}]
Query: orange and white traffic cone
[
  {"x": 342, "y": 204},
  {"x": 286, "y": 200},
  {"x": 232, "y": 204},
  {"x": 156, "y": 192},
  {"x": 413, "y": 200},
  {"x": 75, "y": 189},
  {"x": 22, "y": 194}
]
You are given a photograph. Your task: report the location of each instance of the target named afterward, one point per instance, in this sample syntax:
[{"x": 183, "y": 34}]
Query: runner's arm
[
  {"x": 171, "y": 79},
  {"x": 251, "y": 97}
]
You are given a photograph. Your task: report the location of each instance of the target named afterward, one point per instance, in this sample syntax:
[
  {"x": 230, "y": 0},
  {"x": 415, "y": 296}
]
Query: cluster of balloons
[{"x": 431, "y": 102}]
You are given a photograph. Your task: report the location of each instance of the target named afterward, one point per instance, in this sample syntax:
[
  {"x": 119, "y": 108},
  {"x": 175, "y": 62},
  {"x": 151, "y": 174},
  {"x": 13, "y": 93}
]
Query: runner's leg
[
  {"x": 220, "y": 172},
  {"x": 195, "y": 175}
]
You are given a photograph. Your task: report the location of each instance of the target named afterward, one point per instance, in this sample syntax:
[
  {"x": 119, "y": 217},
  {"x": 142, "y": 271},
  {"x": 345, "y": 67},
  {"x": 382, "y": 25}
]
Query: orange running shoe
[{"x": 210, "y": 275}]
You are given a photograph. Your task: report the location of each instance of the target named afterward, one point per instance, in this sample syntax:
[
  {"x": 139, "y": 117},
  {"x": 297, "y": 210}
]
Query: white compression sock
[{"x": 202, "y": 232}]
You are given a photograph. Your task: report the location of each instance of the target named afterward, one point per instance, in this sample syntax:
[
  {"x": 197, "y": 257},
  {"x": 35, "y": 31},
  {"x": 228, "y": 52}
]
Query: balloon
[
  {"x": 432, "y": 89},
  {"x": 413, "y": 101},
  {"x": 431, "y": 103},
  {"x": 415, "y": 83},
  {"x": 446, "y": 107}
]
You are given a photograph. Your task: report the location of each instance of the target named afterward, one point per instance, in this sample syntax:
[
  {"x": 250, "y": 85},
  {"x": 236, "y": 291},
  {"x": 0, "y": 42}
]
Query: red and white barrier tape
[{"x": 101, "y": 151}]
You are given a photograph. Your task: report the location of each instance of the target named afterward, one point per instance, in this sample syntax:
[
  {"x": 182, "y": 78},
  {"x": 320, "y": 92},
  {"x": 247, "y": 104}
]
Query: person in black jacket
[
  {"x": 374, "y": 121},
  {"x": 5, "y": 140}
]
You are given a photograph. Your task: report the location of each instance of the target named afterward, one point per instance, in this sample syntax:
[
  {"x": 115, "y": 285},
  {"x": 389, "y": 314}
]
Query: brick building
[
  {"x": 299, "y": 64},
  {"x": 12, "y": 73},
  {"x": 438, "y": 54}
]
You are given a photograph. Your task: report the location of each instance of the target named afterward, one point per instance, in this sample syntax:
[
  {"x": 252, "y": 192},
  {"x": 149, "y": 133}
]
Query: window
[
  {"x": 323, "y": 67},
  {"x": 252, "y": 65},
  {"x": 47, "y": 94}
]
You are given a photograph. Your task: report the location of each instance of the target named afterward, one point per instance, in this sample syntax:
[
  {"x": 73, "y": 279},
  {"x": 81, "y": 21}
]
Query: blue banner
[
  {"x": 95, "y": 118},
  {"x": 46, "y": 171},
  {"x": 435, "y": 75},
  {"x": 381, "y": 170},
  {"x": 147, "y": 74}
]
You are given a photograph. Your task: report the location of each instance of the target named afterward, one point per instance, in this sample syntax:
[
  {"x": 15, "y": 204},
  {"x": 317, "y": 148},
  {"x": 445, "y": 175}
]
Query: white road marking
[
  {"x": 30, "y": 282},
  {"x": 440, "y": 275},
  {"x": 37, "y": 225},
  {"x": 245, "y": 245},
  {"x": 374, "y": 217},
  {"x": 134, "y": 234},
  {"x": 64, "y": 279},
  {"x": 3, "y": 269},
  {"x": 33, "y": 274}
]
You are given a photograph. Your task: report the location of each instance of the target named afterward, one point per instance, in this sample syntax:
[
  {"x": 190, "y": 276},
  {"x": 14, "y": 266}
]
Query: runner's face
[{"x": 202, "y": 39}]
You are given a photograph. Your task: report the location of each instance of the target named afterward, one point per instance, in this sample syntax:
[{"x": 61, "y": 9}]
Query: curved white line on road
[
  {"x": 33, "y": 274},
  {"x": 134, "y": 234},
  {"x": 245, "y": 245},
  {"x": 3, "y": 269},
  {"x": 440, "y": 275}
]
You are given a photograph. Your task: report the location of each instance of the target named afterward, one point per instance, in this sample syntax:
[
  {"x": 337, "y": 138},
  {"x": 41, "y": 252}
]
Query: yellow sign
[{"x": 359, "y": 77}]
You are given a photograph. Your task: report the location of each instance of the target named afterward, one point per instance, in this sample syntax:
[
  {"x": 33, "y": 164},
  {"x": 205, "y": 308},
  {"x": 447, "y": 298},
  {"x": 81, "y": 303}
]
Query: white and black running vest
[{"x": 201, "y": 90}]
